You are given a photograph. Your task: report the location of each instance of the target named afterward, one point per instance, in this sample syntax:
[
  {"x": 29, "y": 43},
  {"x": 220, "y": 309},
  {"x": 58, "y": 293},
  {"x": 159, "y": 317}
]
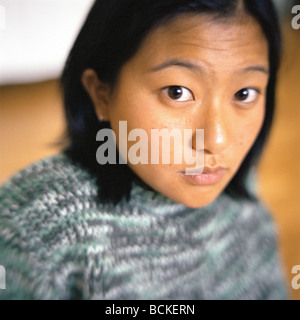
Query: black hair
[{"x": 110, "y": 36}]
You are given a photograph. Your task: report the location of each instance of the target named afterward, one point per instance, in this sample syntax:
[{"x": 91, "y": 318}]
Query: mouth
[{"x": 208, "y": 176}]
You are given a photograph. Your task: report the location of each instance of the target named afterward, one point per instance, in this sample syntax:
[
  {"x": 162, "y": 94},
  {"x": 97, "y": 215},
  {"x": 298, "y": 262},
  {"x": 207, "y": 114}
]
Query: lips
[{"x": 209, "y": 176}]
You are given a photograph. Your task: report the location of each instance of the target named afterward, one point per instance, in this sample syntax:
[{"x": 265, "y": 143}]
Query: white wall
[{"x": 36, "y": 36}]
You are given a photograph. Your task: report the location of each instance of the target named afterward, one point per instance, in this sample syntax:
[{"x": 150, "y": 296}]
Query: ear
[{"x": 98, "y": 91}]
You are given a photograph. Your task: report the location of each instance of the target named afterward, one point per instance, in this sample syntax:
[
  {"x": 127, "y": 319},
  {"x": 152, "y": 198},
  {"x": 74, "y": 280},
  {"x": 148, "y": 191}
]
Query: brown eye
[
  {"x": 178, "y": 93},
  {"x": 175, "y": 92},
  {"x": 246, "y": 95}
]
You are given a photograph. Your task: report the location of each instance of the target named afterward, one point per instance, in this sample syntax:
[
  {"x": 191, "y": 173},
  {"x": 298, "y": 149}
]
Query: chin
[
  {"x": 197, "y": 203},
  {"x": 199, "y": 199}
]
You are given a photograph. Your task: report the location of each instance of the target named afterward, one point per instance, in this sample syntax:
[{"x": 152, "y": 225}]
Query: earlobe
[{"x": 98, "y": 92}]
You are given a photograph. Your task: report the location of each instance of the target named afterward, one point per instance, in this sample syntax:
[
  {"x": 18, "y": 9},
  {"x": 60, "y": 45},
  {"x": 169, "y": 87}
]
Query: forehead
[{"x": 206, "y": 39}]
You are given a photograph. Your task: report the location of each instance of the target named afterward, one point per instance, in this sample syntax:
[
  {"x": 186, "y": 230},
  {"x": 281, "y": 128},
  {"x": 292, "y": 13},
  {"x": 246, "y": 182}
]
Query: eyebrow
[
  {"x": 199, "y": 69},
  {"x": 179, "y": 63},
  {"x": 256, "y": 69}
]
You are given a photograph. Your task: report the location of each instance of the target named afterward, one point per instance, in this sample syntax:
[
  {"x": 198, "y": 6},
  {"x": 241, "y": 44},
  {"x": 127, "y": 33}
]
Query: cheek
[
  {"x": 130, "y": 106},
  {"x": 137, "y": 121},
  {"x": 248, "y": 132}
]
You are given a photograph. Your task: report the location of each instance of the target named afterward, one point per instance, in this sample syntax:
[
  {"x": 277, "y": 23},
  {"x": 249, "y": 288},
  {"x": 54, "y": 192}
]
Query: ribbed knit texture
[{"x": 57, "y": 241}]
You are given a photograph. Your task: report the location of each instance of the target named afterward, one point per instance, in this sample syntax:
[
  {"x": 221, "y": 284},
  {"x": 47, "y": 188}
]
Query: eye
[
  {"x": 178, "y": 93},
  {"x": 247, "y": 95}
]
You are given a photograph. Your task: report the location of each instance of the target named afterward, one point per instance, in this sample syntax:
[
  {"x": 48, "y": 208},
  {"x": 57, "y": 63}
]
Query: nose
[{"x": 216, "y": 124}]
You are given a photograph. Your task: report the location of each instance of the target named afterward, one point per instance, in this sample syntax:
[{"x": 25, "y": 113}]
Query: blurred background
[{"x": 35, "y": 38}]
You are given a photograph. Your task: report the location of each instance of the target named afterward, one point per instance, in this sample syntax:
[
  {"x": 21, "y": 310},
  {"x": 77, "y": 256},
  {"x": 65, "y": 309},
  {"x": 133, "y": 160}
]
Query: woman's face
[{"x": 195, "y": 73}]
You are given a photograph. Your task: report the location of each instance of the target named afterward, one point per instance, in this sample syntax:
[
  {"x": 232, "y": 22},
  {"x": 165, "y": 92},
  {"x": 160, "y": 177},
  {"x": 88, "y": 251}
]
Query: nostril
[{"x": 211, "y": 161}]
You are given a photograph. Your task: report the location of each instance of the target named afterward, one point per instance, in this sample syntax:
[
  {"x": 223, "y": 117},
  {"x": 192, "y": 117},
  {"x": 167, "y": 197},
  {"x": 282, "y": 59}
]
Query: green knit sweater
[{"x": 58, "y": 241}]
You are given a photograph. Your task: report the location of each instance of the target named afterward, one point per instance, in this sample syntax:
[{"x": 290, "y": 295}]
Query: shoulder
[
  {"x": 55, "y": 172},
  {"x": 51, "y": 189},
  {"x": 41, "y": 208},
  {"x": 51, "y": 181}
]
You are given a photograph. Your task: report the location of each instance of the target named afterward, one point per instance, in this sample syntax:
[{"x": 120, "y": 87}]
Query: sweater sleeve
[{"x": 15, "y": 255}]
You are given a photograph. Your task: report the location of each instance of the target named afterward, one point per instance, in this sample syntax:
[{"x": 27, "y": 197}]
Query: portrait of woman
[{"x": 90, "y": 223}]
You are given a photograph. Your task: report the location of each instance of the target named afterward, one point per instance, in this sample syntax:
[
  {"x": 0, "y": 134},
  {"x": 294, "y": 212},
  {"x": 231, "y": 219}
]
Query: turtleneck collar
[{"x": 159, "y": 205}]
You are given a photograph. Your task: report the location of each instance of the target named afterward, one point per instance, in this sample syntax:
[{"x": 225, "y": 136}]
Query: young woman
[{"x": 103, "y": 221}]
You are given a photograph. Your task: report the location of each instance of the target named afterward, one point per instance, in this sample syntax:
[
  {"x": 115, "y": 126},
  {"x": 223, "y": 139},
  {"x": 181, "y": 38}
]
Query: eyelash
[
  {"x": 256, "y": 92},
  {"x": 166, "y": 91},
  {"x": 184, "y": 91}
]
